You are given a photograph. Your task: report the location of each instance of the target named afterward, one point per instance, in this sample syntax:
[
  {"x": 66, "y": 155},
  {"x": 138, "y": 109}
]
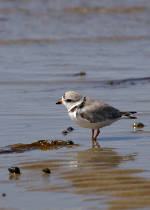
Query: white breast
[{"x": 73, "y": 116}]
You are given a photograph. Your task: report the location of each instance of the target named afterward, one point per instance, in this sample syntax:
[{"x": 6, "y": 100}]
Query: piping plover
[{"x": 91, "y": 113}]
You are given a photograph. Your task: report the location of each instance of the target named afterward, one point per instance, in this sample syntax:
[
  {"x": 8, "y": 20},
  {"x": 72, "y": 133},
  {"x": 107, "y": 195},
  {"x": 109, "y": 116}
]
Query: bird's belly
[{"x": 87, "y": 124}]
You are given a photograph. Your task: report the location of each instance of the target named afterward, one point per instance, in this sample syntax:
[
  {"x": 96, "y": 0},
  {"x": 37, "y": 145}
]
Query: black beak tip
[{"x": 58, "y": 102}]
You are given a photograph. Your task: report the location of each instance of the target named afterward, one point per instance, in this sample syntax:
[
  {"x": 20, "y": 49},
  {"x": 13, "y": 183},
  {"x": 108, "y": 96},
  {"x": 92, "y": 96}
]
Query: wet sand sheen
[
  {"x": 43, "y": 47},
  {"x": 91, "y": 173}
]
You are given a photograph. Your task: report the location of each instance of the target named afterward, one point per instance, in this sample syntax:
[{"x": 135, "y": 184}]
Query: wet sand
[
  {"x": 100, "y": 49},
  {"x": 92, "y": 174}
]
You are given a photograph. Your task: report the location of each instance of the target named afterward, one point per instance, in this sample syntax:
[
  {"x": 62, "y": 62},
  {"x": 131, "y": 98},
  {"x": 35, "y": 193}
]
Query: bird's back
[{"x": 98, "y": 111}]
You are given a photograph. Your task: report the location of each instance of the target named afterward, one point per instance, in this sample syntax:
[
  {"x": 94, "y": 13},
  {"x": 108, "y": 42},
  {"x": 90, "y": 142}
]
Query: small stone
[
  {"x": 70, "y": 129},
  {"x": 14, "y": 170},
  {"x": 111, "y": 82},
  {"x": 138, "y": 125},
  {"x": 70, "y": 142},
  {"x": 81, "y": 73},
  {"x": 3, "y": 194},
  {"x": 64, "y": 132},
  {"x": 47, "y": 170}
]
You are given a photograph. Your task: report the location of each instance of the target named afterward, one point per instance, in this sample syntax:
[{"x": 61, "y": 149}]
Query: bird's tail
[{"x": 129, "y": 115}]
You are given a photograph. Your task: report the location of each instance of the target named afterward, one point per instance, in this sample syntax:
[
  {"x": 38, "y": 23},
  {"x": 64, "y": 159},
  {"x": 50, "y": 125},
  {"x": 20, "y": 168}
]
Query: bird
[{"x": 92, "y": 113}]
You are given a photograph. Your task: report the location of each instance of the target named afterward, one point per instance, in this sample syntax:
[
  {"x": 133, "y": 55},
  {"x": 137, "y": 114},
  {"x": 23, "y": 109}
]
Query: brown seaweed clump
[{"x": 41, "y": 144}]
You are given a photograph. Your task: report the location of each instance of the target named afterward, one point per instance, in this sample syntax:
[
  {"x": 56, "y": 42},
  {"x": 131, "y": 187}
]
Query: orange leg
[
  {"x": 95, "y": 137},
  {"x": 98, "y": 132},
  {"x": 92, "y": 134}
]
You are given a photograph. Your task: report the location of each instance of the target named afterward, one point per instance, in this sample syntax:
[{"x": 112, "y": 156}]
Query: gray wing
[{"x": 97, "y": 111}]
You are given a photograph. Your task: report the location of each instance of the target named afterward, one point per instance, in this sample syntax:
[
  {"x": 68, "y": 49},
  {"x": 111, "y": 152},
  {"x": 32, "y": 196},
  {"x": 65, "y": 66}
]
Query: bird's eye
[{"x": 68, "y": 100}]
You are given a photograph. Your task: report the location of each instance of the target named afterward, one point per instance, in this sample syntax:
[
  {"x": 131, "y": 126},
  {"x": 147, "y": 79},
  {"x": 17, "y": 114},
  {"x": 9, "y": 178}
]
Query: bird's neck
[{"x": 78, "y": 104}]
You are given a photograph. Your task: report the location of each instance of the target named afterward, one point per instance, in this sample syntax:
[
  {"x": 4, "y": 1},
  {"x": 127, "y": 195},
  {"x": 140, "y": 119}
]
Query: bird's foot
[{"x": 95, "y": 144}]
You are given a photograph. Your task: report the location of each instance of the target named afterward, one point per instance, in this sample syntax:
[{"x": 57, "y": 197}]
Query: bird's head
[{"x": 71, "y": 99}]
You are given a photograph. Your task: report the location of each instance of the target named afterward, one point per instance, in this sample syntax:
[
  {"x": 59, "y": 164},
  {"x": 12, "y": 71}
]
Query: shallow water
[{"x": 42, "y": 46}]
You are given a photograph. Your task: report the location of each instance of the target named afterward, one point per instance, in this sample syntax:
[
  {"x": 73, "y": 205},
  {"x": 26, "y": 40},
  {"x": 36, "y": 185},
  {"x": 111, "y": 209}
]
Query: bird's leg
[
  {"x": 93, "y": 134},
  {"x": 93, "y": 138},
  {"x": 98, "y": 132}
]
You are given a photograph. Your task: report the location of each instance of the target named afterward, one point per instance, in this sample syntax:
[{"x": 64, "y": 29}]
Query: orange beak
[{"x": 60, "y": 102}]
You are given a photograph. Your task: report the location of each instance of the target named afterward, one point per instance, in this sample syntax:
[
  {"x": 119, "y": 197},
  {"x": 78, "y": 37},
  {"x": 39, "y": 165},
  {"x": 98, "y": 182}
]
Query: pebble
[
  {"x": 70, "y": 129},
  {"x": 64, "y": 132},
  {"x": 111, "y": 82},
  {"x": 81, "y": 73},
  {"x": 47, "y": 170},
  {"x": 138, "y": 125},
  {"x": 14, "y": 170},
  {"x": 70, "y": 142}
]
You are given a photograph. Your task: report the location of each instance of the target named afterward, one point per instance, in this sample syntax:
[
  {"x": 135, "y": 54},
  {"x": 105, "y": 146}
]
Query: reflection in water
[
  {"x": 97, "y": 175},
  {"x": 98, "y": 157},
  {"x": 14, "y": 176},
  {"x": 94, "y": 172}
]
